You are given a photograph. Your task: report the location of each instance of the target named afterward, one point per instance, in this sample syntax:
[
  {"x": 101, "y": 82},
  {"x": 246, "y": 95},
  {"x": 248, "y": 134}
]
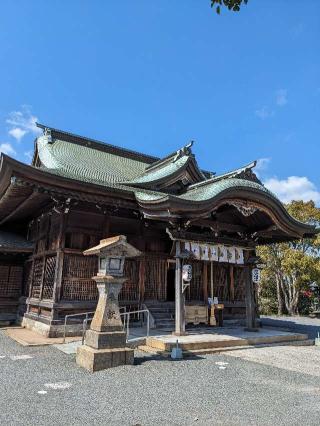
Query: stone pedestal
[{"x": 106, "y": 341}]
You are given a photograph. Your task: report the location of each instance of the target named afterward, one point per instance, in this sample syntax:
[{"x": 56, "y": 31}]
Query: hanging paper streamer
[
  {"x": 195, "y": 250},
  {"x": 214, "y": 253},
  {"x": 231, "y": 254},
  {"x": 204, "y": 252},
  {"x": 222, "y": 251},
  {"x": 239, "y": 256}
]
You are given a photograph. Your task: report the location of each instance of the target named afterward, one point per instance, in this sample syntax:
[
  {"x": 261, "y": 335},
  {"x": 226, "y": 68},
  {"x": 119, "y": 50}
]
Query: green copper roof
[
  {"x": 206, "y": 192},
  {"x": 87, "y": 164},
  {"x": 158, "y": 173},
  {"x": 11, "y": 242}
]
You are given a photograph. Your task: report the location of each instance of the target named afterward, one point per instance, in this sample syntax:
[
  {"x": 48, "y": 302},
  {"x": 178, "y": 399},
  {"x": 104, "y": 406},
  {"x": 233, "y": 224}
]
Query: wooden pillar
[
  {"x": 211, "y": 280},
  {"x": 250, "y": 302},
  {"x": 142, "y": 271},
  {"x": 59, "y": 262},
  {"x": 180, "y": 300},
  {"x": 106, "y": 226},
  {"x": 231, "y": 283},
  {"x": 205, "y": 282}
]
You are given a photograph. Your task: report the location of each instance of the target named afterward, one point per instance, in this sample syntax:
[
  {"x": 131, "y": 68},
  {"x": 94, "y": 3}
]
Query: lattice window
[
  {"x": 239, "y": 284},
  {"x": 27, "y": 278},
  {"x": 130, "y": 289},
  {"x": 220, "y": 282},
  {"x": 195, "y": 289},
  {"x": 155, "y": 279},
  {"x": 77, "y": 276},
  {"x": 10, "y": 281},
  {"x": 37, "y": 277},
  {"x": 48, "y": 280}
]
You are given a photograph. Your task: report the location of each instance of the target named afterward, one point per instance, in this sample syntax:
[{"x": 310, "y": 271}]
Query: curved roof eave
[
  {"x": 201, "y": 207},
  {"x": 10, "y": 167}
]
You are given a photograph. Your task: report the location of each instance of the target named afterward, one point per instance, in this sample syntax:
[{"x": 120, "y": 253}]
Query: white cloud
[
  {"x": 281, "y": 97},
  {"x": 17, "y": 133},
  {"x": 29, "y": 155},
  {"x": 293, "y": 188},
  {"x": 22, "y": 122},
  {"x": 262, "y": 165},
  {"x": 264, "y": 113},
  {"x": 6, "y": 148}
]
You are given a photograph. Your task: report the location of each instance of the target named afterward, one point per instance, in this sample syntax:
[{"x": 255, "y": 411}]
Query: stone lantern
[{"x": 105, "y": 340}]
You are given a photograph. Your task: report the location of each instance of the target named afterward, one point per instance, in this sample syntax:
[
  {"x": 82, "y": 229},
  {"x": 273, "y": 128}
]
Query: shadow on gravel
[
  {"x": 139, "y": 360},
  {"x": 292, "y": 324}
]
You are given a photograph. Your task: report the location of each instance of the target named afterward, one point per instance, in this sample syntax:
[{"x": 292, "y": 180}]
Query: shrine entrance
[{"x": 171, "y": 282}]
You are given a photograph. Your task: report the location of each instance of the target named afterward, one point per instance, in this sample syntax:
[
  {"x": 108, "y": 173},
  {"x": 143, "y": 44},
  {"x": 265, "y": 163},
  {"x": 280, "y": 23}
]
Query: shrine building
[{"x": 78, "y": 191}]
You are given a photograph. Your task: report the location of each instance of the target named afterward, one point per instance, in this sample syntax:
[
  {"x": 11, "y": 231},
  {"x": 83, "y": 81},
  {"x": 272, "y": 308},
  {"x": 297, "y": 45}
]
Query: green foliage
[
  {"x": 268, "y": 304},
  {"x": 233, "y": 5},
  {"x": 292, "y": 267}
]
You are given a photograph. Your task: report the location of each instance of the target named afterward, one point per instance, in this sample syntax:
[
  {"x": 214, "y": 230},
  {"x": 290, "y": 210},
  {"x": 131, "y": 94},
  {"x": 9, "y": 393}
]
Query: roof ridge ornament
[
  {"x": 47, "y": 134},
  {"x": 185, "y": 150}
]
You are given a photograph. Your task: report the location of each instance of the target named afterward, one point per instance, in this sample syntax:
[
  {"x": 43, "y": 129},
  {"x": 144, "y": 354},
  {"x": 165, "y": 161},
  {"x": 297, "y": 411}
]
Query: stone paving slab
[
  {"x": 30, "y": 338},
  {"x": 207, "y": 338}
]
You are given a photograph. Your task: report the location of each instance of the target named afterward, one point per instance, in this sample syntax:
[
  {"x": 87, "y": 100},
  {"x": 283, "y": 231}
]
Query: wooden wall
[
  {"x": 11, "y": 285},
  {"x": 58, "y": 271}
]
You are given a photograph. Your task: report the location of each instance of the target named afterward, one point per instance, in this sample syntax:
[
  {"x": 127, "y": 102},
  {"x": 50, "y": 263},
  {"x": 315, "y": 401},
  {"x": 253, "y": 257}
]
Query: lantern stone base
[
  {"x": 100, "y": 359},
  {"x": 105, "y": 340}
]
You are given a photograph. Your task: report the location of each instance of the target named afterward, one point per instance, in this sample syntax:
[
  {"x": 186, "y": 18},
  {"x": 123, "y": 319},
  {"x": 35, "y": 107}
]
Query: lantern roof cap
[{"x": 109, "y": 244}]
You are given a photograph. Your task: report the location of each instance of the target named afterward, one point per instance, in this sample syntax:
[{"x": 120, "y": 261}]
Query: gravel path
[{"x": 43, "y": 386}]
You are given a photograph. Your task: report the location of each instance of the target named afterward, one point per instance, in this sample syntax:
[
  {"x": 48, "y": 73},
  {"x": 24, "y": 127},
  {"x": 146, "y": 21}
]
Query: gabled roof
[
  {"x": 170, "y": 188},
  {"x": 88, "y": 161},
  {"x": 179, "y": 167}
]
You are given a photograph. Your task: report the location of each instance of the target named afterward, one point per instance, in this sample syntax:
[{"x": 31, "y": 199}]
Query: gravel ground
[
  {"x": 211, "y": 390},
  {"x": 310, "y": 326}
]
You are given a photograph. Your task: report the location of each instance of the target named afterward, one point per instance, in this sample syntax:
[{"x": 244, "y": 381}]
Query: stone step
[
  {"x": 165, "y": 324},
  {"x": 162, "y": 315}
]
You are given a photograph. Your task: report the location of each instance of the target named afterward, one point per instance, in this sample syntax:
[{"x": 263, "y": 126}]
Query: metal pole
[
  {"x": 148, "y": 323},
  {"x": 64, "y": 329},
  {"x": 128, "y": 325},
  {"x": 84, "y": 327},
  {"x": 211, "y": 279}
]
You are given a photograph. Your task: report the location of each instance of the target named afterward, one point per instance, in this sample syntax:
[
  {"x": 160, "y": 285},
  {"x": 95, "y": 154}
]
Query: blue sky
[{"x": 151, "y": 75}]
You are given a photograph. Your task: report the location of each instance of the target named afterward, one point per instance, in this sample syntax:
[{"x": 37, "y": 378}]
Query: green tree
[
  {"x": 292, "y": 267},
  {"x": 233, "y": 5}
]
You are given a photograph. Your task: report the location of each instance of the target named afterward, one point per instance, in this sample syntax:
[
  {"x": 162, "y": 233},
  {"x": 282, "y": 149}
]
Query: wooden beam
[
  {"x": 219, "y": 226},
  {"x": 20, "y": 206}
]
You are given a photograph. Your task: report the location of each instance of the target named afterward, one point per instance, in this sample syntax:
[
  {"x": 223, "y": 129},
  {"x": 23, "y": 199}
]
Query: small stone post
[{"x": 105, "y": 343}]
